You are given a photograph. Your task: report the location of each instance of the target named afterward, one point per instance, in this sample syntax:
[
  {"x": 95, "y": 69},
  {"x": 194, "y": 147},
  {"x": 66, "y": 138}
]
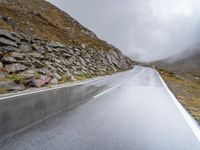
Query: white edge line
[
  {"x": 108, "y": 90},
  {"x": 191, "y": 122},
  {"x": 48, "y": 89},
  {"x": 53, "y": 88},
  {"x": 45, "y": 118},
  {"x": 61, "y": 86}
]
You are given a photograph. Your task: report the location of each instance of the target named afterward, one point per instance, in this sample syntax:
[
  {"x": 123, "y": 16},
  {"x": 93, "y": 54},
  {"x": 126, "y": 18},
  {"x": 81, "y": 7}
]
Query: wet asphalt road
[{"x": 132, "y": 112}]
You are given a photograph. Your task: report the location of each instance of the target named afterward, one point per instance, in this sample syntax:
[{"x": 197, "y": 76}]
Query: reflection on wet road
[{"x": 132, "y": 111}]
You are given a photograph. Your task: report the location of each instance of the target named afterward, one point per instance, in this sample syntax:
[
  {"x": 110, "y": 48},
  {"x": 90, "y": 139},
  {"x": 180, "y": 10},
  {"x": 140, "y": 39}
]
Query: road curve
[{"x": 133, "y": 112}]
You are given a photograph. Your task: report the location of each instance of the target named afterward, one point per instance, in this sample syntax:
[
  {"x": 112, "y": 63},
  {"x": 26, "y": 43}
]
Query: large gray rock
[
  {"x": 7, "y": 84},
  {"x": 36, "y": 55},
  {"x": 112, "y": 59},
  {"x": 6, "y": 34},
  {"x": 10, "y": 85},
  {"x": 29, "y": 73},
  {"x": 37, "y": 63},
  {"x": 69, "y": 76},
  {"x": 50, "y": 66},
  {"x": 69, "y": 62},
  {"x": 25, "y": 47},
  {"x": 54, "y": 81},
  {"x": 38, "y": 48},
  {"x": 67, "y": 55},
  {"x": 57, "y": 76},
  {"x": 15, "y": 68},
  {"x": 17, "y": 55},
  {"x": 56, "y": 45},
  {"x": 8, "y": 49},
  {"x": 45, "y": 71},
  {"x": 56, "y": 60},
  {"x": 41, "y": 81},
  {"x": 124, "y": 63},
  {"x": 17, "y": 87},
  {"x": 6, "y": 42},
  {"x": 8, "y": 59}
]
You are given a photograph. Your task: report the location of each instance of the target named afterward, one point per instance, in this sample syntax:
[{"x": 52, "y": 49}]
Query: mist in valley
[{"x": 144, "y": 30}]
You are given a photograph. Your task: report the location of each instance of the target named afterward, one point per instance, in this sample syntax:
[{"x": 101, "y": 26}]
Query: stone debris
[
  {"x": 6, "y": 42},
  {"x": 13, "y": 68},
  {"x": 41, "y": 81},
  {"x": 37, "y": 62}
]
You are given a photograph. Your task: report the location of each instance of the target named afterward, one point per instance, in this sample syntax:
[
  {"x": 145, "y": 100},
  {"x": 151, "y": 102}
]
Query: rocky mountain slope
[
  {"x": 188, "y": 64},
  {"x": 42, "y": 45}
]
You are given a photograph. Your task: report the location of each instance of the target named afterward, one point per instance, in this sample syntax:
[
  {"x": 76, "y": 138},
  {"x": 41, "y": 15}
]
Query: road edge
[{"x": 188, "y": 118}]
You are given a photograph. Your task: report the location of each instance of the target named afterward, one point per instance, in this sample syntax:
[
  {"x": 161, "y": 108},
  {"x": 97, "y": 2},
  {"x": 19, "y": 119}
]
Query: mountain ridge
[{"x": 186, "y": 63}]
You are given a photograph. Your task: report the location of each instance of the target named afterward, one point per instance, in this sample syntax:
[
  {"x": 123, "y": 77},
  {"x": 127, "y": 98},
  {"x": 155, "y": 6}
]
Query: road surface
[{"x": 134, "y": 111}]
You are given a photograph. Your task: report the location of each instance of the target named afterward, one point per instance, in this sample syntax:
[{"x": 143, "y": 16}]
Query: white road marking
[
  {"x": 191, "y": 122},
  {"x": 62, "y": 86},
  {"x": 108, "y": 90},
  {"x": 48, "y": 89}
]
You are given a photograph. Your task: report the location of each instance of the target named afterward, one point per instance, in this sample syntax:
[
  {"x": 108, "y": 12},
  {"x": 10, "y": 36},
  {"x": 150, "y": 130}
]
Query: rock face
[
  {"x": 42, "y": 45},
  {"x": 36, "y": 62}
]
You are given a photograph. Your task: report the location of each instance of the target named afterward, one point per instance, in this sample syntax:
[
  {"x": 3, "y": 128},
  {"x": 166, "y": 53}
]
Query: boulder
[
  {"x": 7, "y": 84},
  {"x": 54, "y": 81},
  {"x": 25, "y": 47},
  {"x": 8, "y": 59},
  {"x": 38, "y": 48},
  {"x": 73, "y": 78},
  {"x": 15, "y": 67},
  {"x": 67, "y": 55},
  {"x": 44, "y": 79},
  {"x": 37, "y": 63},
  {"x": 8, "y": 48},
  {"x": 45, "y": 71},
  {"x": 36, "y": 55},
  {"x": 10, "y": 85},
  {"x": 6, "y": 34},
  {"x": 69, "y": 62},
  {"x": 56, "y": 45},
  {"x": 56, "y": 60},
  {"x": 57, "y": 76},
  {"x": 6, "y": 42},
  {"x": 49, "y": 65},
  {"x": 69, "y": 76},
  {"x": 17, "y": 87},
  {"x": 17, "y": 55},
  {"x": 28, "y": 73}
]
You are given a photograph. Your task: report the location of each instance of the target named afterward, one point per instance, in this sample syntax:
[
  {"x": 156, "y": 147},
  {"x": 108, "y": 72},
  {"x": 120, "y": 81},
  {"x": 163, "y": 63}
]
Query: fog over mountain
[{"x": 145, "y": 30}]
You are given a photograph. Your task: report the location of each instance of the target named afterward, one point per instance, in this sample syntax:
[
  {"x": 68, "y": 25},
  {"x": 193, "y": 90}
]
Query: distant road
[{"x": 134, "y": 112}]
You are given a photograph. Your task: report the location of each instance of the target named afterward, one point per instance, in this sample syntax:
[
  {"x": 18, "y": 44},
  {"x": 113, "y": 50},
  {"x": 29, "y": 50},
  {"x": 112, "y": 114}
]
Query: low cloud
[{"x": 144, "y": 30}]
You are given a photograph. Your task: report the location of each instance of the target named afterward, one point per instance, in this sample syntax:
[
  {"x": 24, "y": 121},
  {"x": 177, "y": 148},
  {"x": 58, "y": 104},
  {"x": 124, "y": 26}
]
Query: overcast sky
[{"x": 143, "y": 29}]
